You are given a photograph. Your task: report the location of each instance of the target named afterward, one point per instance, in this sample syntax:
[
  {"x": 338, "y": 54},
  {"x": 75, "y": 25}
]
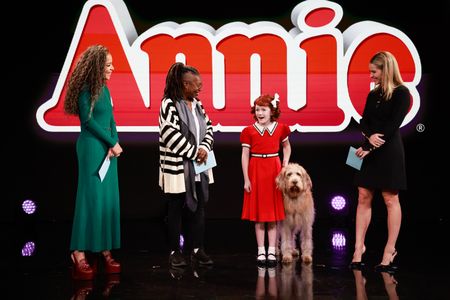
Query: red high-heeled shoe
[
  {"x": 81, "y": 270},
  {"x": 111, "y": 266}
]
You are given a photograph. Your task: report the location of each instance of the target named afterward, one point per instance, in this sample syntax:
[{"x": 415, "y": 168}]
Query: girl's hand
[{"x": 247, "y": 186}]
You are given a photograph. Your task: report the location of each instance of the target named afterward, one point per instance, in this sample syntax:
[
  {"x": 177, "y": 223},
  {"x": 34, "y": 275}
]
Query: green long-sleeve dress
[{"x": 96, "y": 224}]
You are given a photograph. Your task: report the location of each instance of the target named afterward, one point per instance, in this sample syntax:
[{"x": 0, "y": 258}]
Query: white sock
[
  {"x": 271, "y": 250},
  {"x": 271, "y": 272},
  {"x": 261, "y": 250},
  {"x": 261, "y": 272}
]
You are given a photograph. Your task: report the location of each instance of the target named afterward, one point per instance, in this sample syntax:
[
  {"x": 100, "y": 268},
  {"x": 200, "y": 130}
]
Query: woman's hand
[
  {"x": 376, "y": 140},
  {"x": 202, "y": 156},
  {"x": 361, "y": 153},
  {"x": 116, "y": 150}
]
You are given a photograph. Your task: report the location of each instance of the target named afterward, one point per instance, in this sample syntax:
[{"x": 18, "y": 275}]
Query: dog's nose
[{"x": 294, "y": 181}]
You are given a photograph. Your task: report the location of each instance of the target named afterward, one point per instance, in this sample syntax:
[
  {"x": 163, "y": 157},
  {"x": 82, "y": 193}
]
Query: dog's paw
[
  {"x": 307, "y": 259},
  {"x": 287, "y": 259}
]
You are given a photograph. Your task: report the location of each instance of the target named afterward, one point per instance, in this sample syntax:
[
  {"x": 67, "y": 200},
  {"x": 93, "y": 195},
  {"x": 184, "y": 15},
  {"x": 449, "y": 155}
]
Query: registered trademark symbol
[{"x": 420, "y": 127}]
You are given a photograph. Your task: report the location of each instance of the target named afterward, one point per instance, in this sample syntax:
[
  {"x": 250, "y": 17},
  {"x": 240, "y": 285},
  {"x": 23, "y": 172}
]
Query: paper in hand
[
  {"x": 104, "y": 168},
  {"x": 353, "y": 160},
  {"x": 210, "y": 163}
]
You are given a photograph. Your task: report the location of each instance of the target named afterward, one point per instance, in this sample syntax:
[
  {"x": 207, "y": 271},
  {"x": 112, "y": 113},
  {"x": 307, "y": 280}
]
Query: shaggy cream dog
[{"x": 296, "y": 186}]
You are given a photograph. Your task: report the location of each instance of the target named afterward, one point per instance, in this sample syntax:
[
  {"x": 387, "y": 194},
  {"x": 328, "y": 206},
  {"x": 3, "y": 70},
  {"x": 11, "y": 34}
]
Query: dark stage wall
[{"x": 43, "y": 168}]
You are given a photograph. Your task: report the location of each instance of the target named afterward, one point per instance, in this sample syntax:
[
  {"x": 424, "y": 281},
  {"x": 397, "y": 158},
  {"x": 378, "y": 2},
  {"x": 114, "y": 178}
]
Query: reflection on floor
[{"x": 41, "y": 269}]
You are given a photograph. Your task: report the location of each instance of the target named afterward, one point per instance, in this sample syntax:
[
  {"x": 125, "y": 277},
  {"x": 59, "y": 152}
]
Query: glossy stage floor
[{"x": 42, "y": 269}]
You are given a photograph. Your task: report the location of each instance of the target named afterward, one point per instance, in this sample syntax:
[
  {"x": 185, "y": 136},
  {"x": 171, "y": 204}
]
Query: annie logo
[{"x": 320, "y": 73}]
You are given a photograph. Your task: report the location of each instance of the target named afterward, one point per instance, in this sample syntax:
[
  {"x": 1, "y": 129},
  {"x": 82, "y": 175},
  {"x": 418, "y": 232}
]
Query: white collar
[{"x": 270, "y": 129}]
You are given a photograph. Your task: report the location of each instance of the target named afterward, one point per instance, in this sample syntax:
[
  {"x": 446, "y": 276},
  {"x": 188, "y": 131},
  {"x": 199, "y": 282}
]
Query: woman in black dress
[{"x": 383, "y": 167}]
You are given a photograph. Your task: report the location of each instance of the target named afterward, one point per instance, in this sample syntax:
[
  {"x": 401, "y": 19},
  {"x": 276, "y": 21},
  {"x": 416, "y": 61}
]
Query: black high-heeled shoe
[
  {"x": 390, "y": 268},
  {"x": 358, "y": 265}
]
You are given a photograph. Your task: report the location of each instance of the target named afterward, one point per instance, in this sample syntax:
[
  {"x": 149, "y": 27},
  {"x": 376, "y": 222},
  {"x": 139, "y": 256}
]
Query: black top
[{"x": 384, "y": 167}]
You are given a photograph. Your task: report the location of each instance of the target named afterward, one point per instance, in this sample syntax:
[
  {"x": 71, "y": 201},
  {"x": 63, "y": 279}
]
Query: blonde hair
[{"x": 390, "y": 73}]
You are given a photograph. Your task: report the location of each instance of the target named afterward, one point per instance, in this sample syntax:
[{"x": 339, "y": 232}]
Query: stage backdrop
[{"x": 39, "y": 145}]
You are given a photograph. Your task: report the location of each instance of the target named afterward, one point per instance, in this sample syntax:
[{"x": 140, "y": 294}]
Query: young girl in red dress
[{"x": 263, "y": 202}]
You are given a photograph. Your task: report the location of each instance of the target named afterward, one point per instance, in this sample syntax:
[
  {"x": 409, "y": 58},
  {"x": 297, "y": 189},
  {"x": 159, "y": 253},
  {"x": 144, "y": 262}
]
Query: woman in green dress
[{"x": 96, "y": 224}]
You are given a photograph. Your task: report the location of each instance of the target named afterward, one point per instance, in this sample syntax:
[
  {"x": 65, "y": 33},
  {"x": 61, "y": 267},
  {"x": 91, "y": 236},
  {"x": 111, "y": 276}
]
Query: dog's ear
[
  {"x": 279, "y": 180},
  {"x": 308, "y": 180}
]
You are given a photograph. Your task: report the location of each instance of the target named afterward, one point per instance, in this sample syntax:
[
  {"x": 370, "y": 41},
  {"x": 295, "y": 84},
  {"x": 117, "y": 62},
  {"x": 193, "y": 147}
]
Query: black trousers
[{"x": 180, "y": 215}]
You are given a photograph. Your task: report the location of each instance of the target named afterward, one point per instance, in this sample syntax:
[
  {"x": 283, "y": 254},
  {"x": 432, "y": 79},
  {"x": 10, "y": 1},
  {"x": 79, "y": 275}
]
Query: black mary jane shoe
[
  {"x": 261, "y": 260},
  {"x": 271, "y": 260},
  {"x": 386, "y": 268},
  {"x": 356, "y": 265}
]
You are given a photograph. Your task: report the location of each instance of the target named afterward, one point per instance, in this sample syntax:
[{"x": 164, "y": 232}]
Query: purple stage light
[
  {"x": 338, "y": 202},
  {"x": 338, "y": 240},
  {"x": 28, "y": 249},
  {"x": 29, "y": 206},
  {"x": 181, "y": 241}
]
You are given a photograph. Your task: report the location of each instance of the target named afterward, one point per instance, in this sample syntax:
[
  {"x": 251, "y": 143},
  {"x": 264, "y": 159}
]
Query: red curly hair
[{"x": 266, "y": 100}]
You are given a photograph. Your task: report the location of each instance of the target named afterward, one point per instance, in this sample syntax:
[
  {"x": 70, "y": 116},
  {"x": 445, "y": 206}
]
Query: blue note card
[
  {"x": 353, "y": 160},
  {"x": 210, "y": 163},
  {"x": 104, "y": 168}
]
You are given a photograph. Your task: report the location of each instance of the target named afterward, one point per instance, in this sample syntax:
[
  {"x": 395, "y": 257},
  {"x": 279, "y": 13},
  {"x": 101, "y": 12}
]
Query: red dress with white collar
[{"x": 264, "y": 203}]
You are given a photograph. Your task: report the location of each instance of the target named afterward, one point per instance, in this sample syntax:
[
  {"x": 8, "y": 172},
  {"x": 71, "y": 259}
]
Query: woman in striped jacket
[{"x": 185, "y": 138}]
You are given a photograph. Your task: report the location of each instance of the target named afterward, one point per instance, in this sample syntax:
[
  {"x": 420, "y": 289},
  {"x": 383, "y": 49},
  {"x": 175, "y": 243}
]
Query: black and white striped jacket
[{"x": 173, "y": 147}]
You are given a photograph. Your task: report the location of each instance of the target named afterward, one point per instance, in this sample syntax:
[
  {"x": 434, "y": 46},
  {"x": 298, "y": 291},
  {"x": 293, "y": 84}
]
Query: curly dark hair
[
  {"x": 174, "y": 80},
  {"x": 88, "y": 74},
  {"x": 266, "y": 100}
]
